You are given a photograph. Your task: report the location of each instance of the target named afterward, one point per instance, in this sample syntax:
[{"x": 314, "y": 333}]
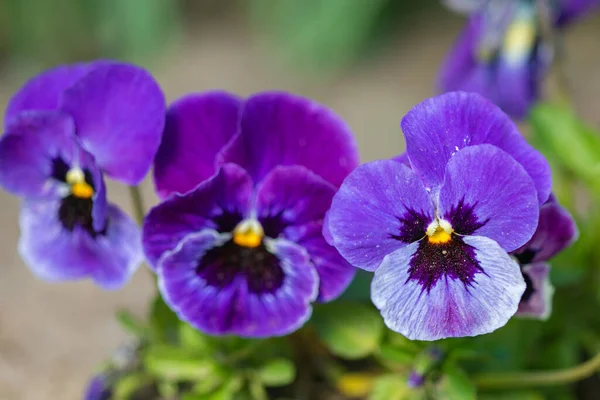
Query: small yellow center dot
[
  {"x": 248, "y": 233},
  {"x": 82, "y": 190},
  {"x": 439, "y": 232}
]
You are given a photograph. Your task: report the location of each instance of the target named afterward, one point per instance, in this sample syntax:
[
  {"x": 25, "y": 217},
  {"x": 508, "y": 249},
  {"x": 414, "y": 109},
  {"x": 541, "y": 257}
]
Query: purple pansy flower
[
  {"x": 556, "y": 231},
  {"x": 242, "y": 252},
  {"x": 501, "y": 53},
  {"x": 64, "y": 129},
  {"x": 97, "y": 389},
  {"x": 438, "y": 234}
]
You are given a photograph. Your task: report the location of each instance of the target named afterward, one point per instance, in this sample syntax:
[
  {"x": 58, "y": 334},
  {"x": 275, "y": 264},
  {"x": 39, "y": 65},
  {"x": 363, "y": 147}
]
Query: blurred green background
[{"x": 370, "y": 60}]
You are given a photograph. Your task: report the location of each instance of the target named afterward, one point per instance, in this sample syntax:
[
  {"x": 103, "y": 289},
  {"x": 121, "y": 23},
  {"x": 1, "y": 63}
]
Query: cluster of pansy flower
[
  {"x": 503, "y": 53},
  {"x": 64, "y": 130},
  {"x": 443, "y": 225}
]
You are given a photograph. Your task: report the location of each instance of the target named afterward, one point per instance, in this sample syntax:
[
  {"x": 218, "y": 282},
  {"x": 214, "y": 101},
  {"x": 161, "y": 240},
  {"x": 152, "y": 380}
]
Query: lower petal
[
  {"x": 234, "y": 308},
  {"x": 450, "y": 308},
  {"x": 536, "y": 302},
  {"x": 55, "y": 253}
]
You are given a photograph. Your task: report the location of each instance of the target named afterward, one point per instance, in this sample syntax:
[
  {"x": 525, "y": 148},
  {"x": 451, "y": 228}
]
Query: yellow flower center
[
  {"x": 248, "y": 233},
  {"x": 439, "y": 232},
  {"x": 79, "y": 187},
  {"x": 519, "y": 39}
]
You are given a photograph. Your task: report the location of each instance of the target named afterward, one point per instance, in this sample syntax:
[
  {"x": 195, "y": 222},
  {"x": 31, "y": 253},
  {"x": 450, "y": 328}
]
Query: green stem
[
  {"x": 138, "y": 204},
  {"x": 530, "y": 379}
]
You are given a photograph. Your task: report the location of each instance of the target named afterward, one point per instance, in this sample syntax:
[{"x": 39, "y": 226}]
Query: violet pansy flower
[
  {"x": 437, "y": 233},
  {"x": 65, "y": 129},
  {"x": 555, "y": 232},
  {"x": 241, "y": 250}
]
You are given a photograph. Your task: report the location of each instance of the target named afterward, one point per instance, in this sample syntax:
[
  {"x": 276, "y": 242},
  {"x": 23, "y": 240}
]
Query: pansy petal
[
  {"x": 556, "y": 230},
  {"x": 36, "y": 149},
  {"x": 218, "y": 203},
  {"x": 197, "y": 127},
  {"x": 219, "y": 307},
  {"x": 439, "y": 127},
  {"x": 291, "y": 195},
  {"x": 335, "y": 273},
  {"x": 55, "y": 253},
  {"x": 536, "y": 301},
  {"x": 119, "y": 111},
  {"x": 495, "y": 198},
  {"x": 44, "y": 91},
  {"x": 571, "y": 10},
  {"x": 402, "y": 159},
  {"x": 97, "y": 389},
  {"x": 380, "y": 207},
  {"x": 449, "y": 307},
  {"x": 283, "y": 129}
]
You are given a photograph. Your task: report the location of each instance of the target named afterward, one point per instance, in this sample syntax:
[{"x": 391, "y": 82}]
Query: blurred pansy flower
[
  {"x": 438, "y": 234},
  {"x": 501, "y": 53},
  {"x": 98, "y": 389},
  {"x": 64, "y": 129},
  {"x": 556, "y": 231},
  {"x": 242, "y": 252}
]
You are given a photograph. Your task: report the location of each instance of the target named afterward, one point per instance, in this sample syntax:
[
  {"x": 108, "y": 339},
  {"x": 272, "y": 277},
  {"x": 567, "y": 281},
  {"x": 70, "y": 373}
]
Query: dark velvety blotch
[
  {"x": 75, "y": 211},
  {"x": 463, "y": 219},
  {"x": 221, "y": 265},
  {"x": 529, "y": 289},
  {"x": 413, "y": 225},
  {"x": 434, "y": 261}
]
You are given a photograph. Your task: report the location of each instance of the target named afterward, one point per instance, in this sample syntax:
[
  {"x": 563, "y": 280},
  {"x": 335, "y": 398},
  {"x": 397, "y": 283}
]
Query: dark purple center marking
[
  {"x": 463, "y": 219},
  {"x": 260, "y": 268},
  {"x": 529, "y": 289},
  {"x": 413, "y": 225},
  {"x": 433, "y": 261},
  {"x": 526, "y": 256}
]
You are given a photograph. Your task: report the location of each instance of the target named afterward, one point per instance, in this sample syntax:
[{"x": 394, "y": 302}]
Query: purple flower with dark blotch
[
  {"x": 66, "y": 128},
  {"x": 438, "y": 235},
  {"x": 556, "y": 231},
  {"x": 97, "y": 389},
  {"x": 439, "y": 127},
  {"x": 242, "y": 252},
  {"x": 501, "y": 55}
]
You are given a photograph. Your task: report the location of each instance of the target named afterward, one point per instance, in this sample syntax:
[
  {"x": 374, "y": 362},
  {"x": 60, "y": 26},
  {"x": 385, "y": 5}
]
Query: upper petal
[
  {"x": 439, "y": 127},
  {"x": 556, "y": 231},
  {"x": 119, "y": 112},
  {"x": 196, "y": 129},
  {"x": 44, "y": 91},
  {"x": 283, "y": 129},
  {"x": 487, "y": 193},
  {"x": 196, "y": 287},
  {"x": 379, "y": 208},
  {"x": 55, "y": 253},
  {"x": 450, "y": 307},
  {"x": 31, "y": 149},
  {"x": 218, "y": 203}
]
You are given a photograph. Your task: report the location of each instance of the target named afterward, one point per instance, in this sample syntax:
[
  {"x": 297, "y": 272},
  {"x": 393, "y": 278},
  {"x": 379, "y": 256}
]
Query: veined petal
[
  {"x": 220, "y": 299},
  {"x": 536, "y": 301},
  {"x": 36, "y": 152},
  {"x": 438, "y": 128},
  {"x": 487, "y": 193},
  {"x": 218, "y": 203},
  {"x": 452, "y": 304},
  {"x": 119, "y": 112},
  {"x": 44, "y": 91},
  {"x": 197, "y": 128},
  {"x": 381, "y": 207},
  {"x": 55, "y": 253},
  {"x": 283, "y": 129},
  {"x": 556, "y": 231}
]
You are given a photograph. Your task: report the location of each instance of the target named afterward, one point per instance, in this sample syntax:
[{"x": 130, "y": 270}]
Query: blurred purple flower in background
[
  {"x": 502, "y": 52},
  {"x": 97, "y": 389},
  {"x": 438, "y": 234},
  {"x": 242, "y": 252},
  {"x": 555, "y": 232},
  {"x": 64, "y": 129}
]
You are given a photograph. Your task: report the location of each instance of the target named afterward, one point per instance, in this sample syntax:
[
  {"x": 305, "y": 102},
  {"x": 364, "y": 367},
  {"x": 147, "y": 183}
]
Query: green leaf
[
  {"x": 390, "y": 387},
  {"x": 455, "y": 385},
  {"x": 131, "y": 323},
  {"x": 350, "y": 330},
  {"x": 163, "y": 321},
  {"x": 277, "y": 372},
  {"x": 192, "y": 339},
  {"x": 257, "y": 390},
  {"x": 176, "y": 364},
  {"x": 129, "y": 384},
  {"x": 510, "y": 395},
  {"x": 396, "y": 355}
]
